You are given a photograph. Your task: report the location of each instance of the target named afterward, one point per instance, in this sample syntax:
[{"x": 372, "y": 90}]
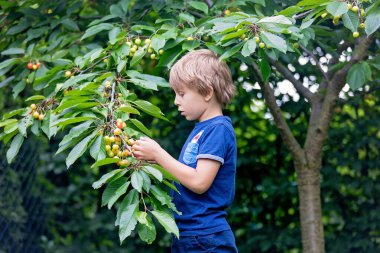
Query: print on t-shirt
[{"x": 191, "y": 151}]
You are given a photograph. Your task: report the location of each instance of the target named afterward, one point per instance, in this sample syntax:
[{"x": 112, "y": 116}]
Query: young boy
[{"x": 207, "y": 165}]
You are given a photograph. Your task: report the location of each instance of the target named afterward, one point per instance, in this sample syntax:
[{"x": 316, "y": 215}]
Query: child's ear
[{"x": 209, "y": 94}]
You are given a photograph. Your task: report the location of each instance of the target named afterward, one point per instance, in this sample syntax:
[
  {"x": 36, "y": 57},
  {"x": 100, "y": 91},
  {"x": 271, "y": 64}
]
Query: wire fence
[{"x": 22, "y": 211}]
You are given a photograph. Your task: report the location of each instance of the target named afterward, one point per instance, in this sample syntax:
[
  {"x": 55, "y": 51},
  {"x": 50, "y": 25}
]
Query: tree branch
[
  {"x": 305, "y": 92},
  {"x": 339, "y": 78},
  {"x": 209, "y": 3},
  {"x": 301, "y": 15},
  {"x": 322, "y": 113},
  {"x": 195, "y": 14},
  {"x": 316, "y": 62},
  {"x": 288, "y": 137},
  {"x": 339, "y": 51}
]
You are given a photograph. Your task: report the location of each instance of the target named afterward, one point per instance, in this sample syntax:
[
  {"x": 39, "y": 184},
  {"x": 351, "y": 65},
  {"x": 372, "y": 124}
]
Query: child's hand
[{"x": 146, "y": 149}]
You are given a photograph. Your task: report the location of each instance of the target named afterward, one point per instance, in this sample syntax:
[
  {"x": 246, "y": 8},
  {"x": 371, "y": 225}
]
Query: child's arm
[{"x": 197, "y": 180}]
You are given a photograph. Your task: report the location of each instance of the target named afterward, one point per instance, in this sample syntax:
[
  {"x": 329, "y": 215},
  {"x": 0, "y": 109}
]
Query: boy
[{"x": 207, "y": 165}]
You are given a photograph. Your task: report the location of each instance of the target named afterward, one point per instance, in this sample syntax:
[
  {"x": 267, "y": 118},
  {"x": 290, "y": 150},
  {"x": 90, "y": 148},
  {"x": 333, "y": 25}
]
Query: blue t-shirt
[{"x": 205, "y": 213}]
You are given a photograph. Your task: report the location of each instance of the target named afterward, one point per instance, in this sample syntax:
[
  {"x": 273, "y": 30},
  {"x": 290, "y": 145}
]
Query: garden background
[{"x": 44, "y": 207}]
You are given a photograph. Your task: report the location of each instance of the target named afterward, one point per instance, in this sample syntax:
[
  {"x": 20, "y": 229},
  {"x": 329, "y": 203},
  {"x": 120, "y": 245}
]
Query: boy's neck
[{"x": 211, "y": 113}]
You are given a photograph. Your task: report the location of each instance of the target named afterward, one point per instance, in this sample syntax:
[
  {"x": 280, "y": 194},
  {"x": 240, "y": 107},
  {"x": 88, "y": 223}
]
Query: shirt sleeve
[{"x": 214, "y": 143}]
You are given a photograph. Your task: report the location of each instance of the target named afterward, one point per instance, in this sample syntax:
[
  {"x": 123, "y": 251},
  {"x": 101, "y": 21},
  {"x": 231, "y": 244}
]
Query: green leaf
[
  {"x": 79, "y": 149},
  {"x": 128, "y": 109},
  {"x": 351, "y": 20},
  {"x": 141, "y": 127},
  {"x": 121, "y": 65},
  {"x": 111, "y": 189},
  {"x": 24, "y": 123},
  {"x": 105, "y": 177},
  {"x": 21, "y": 26},
  {"x": 138, "y": 56},
  {"x": 35, "y": 97},
  {"x": 112, "y": 35},
  {"x": 312, "y": 2},
  {"x": 64, "y": 122},
  {"x": 120, "y": 191},
  {"x": 11, "y": 51},
  {"x": 154, "y": 172},
  {"x": 147, "y": 232},
  {"x": 264, "y": 64},
  {"x": 128, "y": 221},
  {"x": 190, "y": 44},
  {"x": 96, "y": 29},
  {"x": 15, "y": 147},
  {"x": 291, "y": 10},
  {"x": 274, "y": 41},
  {"x": 186, "y": 17},
  {"x": 158, "y": 42},
  {"x": 230, "y": 52},
  {"x": 199, "y": 6},
  {"x": 156, "y": 79},
  {"x": 358, "y": 75},
  {"x": 167, "y": 222},
  {"x": 9, "y": 62},
  {"x": 233, "y": 35},
  {"x": 13, "y": 113},
  {"x": 131, "y": 198},
  {"x": 372, "y": 22},
  {"x": 249, "y": 48},
  {"x": 96, "y": 146},
  {"x": 137, "y": 181},
  {"x": 280, "y": 19},
  {"x": 149, "y": 108},
  {"x": 161, "y": 195},
  {"x": 143, "y": 83},
  {"x": 70, "y": 24},
  {"x": 9, "y": 128},
  {"x": 73, "y": 80},
  {"x": 20, "y": 86},
  {"x": 337, "y": 8},
  {"x": 170, "y": 185},
  {"x": 105, "y": 162},
  {"x": 165, "y": 173},
  {"x": 307, "y": 24},
  {"x": 47, "y": 127},
  {"x": 8, "y": 121}
]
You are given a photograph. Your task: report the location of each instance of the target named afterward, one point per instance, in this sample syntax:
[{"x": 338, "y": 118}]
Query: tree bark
[{"x": 309, "y": 192}]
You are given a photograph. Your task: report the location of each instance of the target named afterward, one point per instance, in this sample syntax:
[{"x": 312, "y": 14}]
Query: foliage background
[{"x": 264, "y": 216}]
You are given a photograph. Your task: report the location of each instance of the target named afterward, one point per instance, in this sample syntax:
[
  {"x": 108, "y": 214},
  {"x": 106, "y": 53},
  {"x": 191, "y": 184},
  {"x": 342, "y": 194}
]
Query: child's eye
[{"x": 181, "y": 94}]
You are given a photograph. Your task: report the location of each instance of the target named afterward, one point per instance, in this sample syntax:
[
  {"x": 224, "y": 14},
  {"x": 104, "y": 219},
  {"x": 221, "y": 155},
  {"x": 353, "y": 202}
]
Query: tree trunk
[{"x": 309, "y": 192}]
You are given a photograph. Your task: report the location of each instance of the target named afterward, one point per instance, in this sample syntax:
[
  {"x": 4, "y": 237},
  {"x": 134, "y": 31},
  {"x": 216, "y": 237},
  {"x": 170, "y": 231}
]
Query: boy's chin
[{"x": 189, "y": 118}]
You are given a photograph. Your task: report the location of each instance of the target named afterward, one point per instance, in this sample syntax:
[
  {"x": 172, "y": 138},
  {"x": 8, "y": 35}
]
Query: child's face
[{"x": 191, "y": 104}]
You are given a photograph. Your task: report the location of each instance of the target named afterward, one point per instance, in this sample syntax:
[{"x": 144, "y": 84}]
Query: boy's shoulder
[{"x": 218, "y": 126}]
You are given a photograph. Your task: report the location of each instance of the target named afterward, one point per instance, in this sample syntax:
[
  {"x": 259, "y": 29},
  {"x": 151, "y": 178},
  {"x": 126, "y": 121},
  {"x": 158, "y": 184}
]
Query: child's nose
[{"x": 176, "y": 101}]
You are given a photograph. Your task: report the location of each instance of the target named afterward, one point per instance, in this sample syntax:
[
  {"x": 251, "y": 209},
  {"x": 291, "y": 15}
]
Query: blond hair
[{"x": 201, "y": 70}]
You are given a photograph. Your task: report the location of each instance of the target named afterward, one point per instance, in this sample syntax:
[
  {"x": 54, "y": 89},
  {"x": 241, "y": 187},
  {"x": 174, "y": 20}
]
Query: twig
[
  {"x": 303, "y": 14},
  {"x": 93, "y": 65},
  {"x": 305, "y": 92},
  {"x": 270, "y": 99},
  {"x": 316, "y": 62},
  {"x": 209, "y": 3}
]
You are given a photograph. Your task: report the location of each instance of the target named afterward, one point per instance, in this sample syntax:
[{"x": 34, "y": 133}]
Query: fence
[{"x": 22, "y": 210}]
